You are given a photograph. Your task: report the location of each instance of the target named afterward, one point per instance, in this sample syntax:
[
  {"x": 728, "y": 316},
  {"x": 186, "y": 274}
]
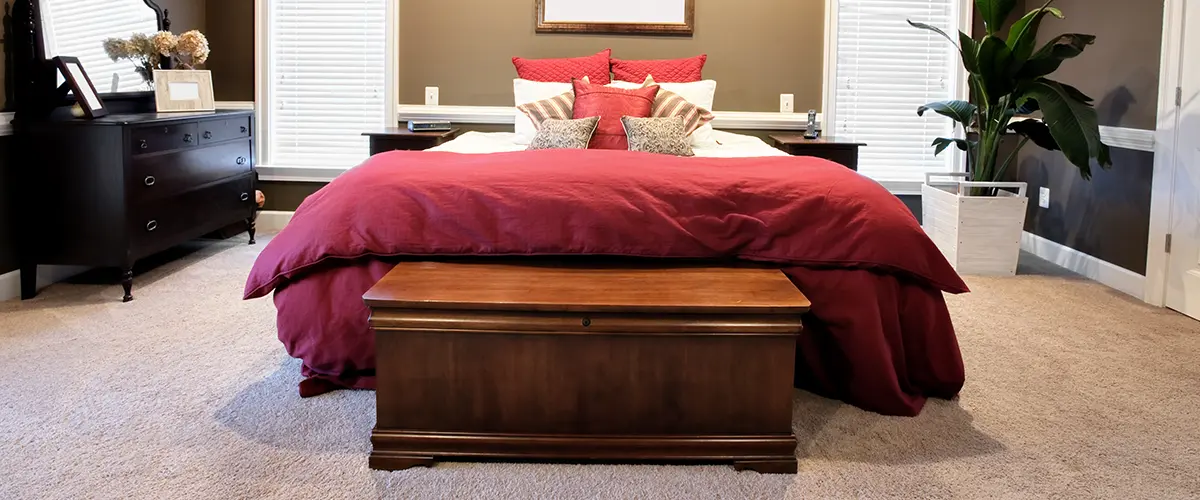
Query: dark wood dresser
[{"x": 110, "y": 191}]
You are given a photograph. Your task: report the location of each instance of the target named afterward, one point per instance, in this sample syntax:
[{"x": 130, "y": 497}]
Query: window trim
[
  {"x": 262, "y": 81},
  {"x": 966, "y": 19}
]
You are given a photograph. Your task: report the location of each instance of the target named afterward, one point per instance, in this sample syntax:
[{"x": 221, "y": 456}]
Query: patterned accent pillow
[
  {"x": 558, "y": 107},
  {"x": 565, "y": 134},
  {"x": 666, "y": 136},
  {"x": 668, "y": 104}
]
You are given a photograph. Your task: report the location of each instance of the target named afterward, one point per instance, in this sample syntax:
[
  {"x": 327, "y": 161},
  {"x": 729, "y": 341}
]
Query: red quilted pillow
[
  {"x": 564, "y": 70},
  {"x": 665, "y": 71},
  {"x": 610, "y": 104}
]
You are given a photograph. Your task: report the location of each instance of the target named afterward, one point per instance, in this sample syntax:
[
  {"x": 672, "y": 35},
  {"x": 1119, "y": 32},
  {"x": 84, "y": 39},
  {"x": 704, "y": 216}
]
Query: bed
[{"x": 879, "y": 335}]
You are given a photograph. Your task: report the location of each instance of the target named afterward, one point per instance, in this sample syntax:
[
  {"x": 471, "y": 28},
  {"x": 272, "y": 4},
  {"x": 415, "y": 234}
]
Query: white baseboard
[
  {"x": 1073, "y": 260},
  {"x": 10, "y": 283},
  {"x": 272, "y": 220}
]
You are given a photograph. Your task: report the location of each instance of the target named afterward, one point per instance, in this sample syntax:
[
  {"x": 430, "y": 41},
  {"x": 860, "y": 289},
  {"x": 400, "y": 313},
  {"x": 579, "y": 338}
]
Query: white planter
[{"x": 979, "y": 235}]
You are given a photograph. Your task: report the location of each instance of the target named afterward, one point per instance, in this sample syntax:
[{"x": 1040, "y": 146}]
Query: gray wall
[{"x": 1108, "y": 217}]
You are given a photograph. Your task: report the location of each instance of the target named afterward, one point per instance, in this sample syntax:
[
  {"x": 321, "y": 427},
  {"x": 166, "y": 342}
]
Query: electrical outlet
[
  {"x": 431, "y": 96},
  {"x": 1044, "y": 197},
  {"x": 787, "y": 103}
]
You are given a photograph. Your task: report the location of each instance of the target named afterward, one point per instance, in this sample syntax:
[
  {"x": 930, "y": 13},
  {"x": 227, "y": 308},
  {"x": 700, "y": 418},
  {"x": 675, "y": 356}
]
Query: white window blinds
[
  {"x": 884, "y": 70},
  {"x": 78, "y": 28},
  {"x": 327, "y": 73}
]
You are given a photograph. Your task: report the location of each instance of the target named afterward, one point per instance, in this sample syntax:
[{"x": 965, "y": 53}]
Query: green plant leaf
[
  {"x": 995, "y": 60},
  {"x": 969, "y": 49},
  {"x": 1072, "y": 123},
  {"x": 1036, "y": 131},
  {"x": 1074, "y": 92},
  {"x": 1023, "y": 34},
  {"x": 1026, "y": 106},
  {"x": 960, "y": 111},
  {"x": 1065, "y": 46},
  {"x": 994, "y": 12},
  {"x": 935, "y": 29},
  {"x": 1048, "y": 59},
  {"x": 941, "y": 143}
]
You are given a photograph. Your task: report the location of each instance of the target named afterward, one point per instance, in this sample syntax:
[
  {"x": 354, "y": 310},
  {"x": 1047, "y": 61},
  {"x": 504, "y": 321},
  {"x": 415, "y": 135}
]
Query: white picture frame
[{"x": 177, "y": 91}]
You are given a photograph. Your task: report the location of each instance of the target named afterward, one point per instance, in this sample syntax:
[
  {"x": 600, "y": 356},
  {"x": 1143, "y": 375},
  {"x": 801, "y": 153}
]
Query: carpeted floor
[{"x": 1073, "y": 391}]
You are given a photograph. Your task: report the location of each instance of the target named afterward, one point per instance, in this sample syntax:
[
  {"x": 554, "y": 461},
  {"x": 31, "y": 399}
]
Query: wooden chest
[{"x": 585, "y": 363}]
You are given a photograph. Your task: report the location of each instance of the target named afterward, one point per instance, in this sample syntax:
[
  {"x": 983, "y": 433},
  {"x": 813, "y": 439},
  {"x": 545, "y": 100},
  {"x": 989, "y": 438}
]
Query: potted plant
[{"x": 977, "y": 222}]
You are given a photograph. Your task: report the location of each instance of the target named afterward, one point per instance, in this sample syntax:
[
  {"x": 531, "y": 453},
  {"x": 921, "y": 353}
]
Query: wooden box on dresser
[{"x": 111, "y": 191}]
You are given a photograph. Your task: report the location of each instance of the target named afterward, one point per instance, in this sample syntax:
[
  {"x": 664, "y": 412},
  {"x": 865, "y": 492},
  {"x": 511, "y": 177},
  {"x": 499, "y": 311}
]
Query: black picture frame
[{"x": 79, "y": 81}]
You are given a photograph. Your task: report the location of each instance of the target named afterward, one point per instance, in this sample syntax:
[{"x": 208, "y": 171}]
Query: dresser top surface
[{"x": 157, "y": 118}]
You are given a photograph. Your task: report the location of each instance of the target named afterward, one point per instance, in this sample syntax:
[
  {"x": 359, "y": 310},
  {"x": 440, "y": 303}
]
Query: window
[
  {"x": 880, "y": 70},
  {"x": 325, "y": 79},
  {"x": 78, "y": 28}
]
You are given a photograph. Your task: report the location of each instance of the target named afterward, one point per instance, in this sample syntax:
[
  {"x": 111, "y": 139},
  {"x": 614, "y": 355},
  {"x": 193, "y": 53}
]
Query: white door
[{"x": 1183, "y": 271}]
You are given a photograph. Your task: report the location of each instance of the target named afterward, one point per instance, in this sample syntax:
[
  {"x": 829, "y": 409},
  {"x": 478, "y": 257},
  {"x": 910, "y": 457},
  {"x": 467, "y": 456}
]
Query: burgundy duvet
[{"x": 879, "y": 335}]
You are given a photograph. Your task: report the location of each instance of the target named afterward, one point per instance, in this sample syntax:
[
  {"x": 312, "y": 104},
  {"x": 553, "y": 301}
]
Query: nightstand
[
  {"x": 829, "y": 148},
  {"x": 393, "y": 139}
]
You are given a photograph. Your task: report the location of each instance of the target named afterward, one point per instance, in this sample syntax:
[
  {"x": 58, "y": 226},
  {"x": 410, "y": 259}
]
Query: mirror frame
[{"x": 164, "y": 24}]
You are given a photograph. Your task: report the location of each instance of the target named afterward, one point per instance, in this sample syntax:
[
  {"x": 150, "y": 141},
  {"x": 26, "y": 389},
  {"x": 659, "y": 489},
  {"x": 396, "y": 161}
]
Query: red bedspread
[{"x": 879, "y": 335}]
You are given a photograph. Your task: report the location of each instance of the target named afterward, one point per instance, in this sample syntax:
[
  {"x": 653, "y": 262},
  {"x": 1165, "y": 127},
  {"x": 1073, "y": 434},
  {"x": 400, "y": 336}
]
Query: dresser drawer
[
  {"x": 153, "y": 139},
  {"x": 223, "y": 130},
  {"x": 160, "y": 224},
  {"x": 172, "y": 173}
]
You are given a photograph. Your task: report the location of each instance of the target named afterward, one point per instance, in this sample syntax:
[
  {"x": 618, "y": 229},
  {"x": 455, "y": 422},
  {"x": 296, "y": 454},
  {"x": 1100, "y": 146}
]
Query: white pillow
[
  {"x": 527, "y": 91},
  {"x": 700, "y": 93}
]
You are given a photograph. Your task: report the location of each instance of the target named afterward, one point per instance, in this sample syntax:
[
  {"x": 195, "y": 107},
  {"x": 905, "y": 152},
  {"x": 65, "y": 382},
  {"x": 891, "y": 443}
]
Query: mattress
[{"x": 730, "y": 145}]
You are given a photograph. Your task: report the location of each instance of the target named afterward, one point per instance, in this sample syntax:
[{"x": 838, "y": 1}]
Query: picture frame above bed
[{"x": 649, "y": 17}]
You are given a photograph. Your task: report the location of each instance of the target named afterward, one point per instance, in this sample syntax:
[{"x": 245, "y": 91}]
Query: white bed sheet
[{"x": 730, "y": 145}]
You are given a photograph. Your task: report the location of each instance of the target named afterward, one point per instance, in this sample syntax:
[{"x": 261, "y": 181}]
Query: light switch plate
[
  {"x": 787, "y": 103},
  {"x": 431, "y": 96},
  {"x": 1044, "y": 197}
]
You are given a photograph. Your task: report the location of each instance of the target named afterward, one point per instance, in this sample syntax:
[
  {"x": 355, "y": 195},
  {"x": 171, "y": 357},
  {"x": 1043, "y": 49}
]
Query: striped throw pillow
[
  {"x": 669, "y": 104},
  {"x": 559, "y": 107}
]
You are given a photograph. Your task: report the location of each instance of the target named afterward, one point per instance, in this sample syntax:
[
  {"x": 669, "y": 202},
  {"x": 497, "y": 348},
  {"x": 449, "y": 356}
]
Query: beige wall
[{"x": 757, "y": 49}]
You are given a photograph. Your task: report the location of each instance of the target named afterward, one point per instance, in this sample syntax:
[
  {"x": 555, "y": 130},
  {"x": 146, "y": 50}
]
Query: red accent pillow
[
  {"x": 564, "y": 70},
  {"x": 610, "y": 104},
  {"x": 664, "y": 71}
]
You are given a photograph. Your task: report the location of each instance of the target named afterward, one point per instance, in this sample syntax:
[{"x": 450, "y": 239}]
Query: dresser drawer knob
[
  {"x": 241, "y": 160},
  {"x": 207, "y": 134},
  {"x": 166, "y": 130},
  {"x": 587, "y": 322},
  {"x": 150, "y": 180},
  {"x": 187, "y": 137},
  {"x": 244, "y": 130},
  {"x": 143, "y": 144},
  {"x": 152, "y": 225},
  {"x": 245, "y": 196}
]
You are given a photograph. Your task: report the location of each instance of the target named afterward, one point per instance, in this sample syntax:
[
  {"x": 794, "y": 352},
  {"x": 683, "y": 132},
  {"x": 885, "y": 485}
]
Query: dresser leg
[
  {"x": 127, "y": 284},
  {"x": 28, "y": 281},
  {"x": 250, "y": 229}
]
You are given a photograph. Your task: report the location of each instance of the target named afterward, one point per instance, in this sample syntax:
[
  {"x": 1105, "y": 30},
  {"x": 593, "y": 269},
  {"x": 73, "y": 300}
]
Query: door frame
[{"x": 1165, "y": 137}]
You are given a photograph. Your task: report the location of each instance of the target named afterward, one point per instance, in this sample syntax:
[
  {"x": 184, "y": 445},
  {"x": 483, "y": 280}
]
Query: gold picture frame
[
  {"x": 597, "y": 17},
  {"x": 177, "y": 91}
]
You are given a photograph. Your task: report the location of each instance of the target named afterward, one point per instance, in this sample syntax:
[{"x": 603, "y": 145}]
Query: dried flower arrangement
[{"x": 148, "y": 51}]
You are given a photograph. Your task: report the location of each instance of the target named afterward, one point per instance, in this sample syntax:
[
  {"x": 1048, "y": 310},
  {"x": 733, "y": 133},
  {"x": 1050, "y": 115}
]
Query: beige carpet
[{"x": 1073, "y": 391}]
